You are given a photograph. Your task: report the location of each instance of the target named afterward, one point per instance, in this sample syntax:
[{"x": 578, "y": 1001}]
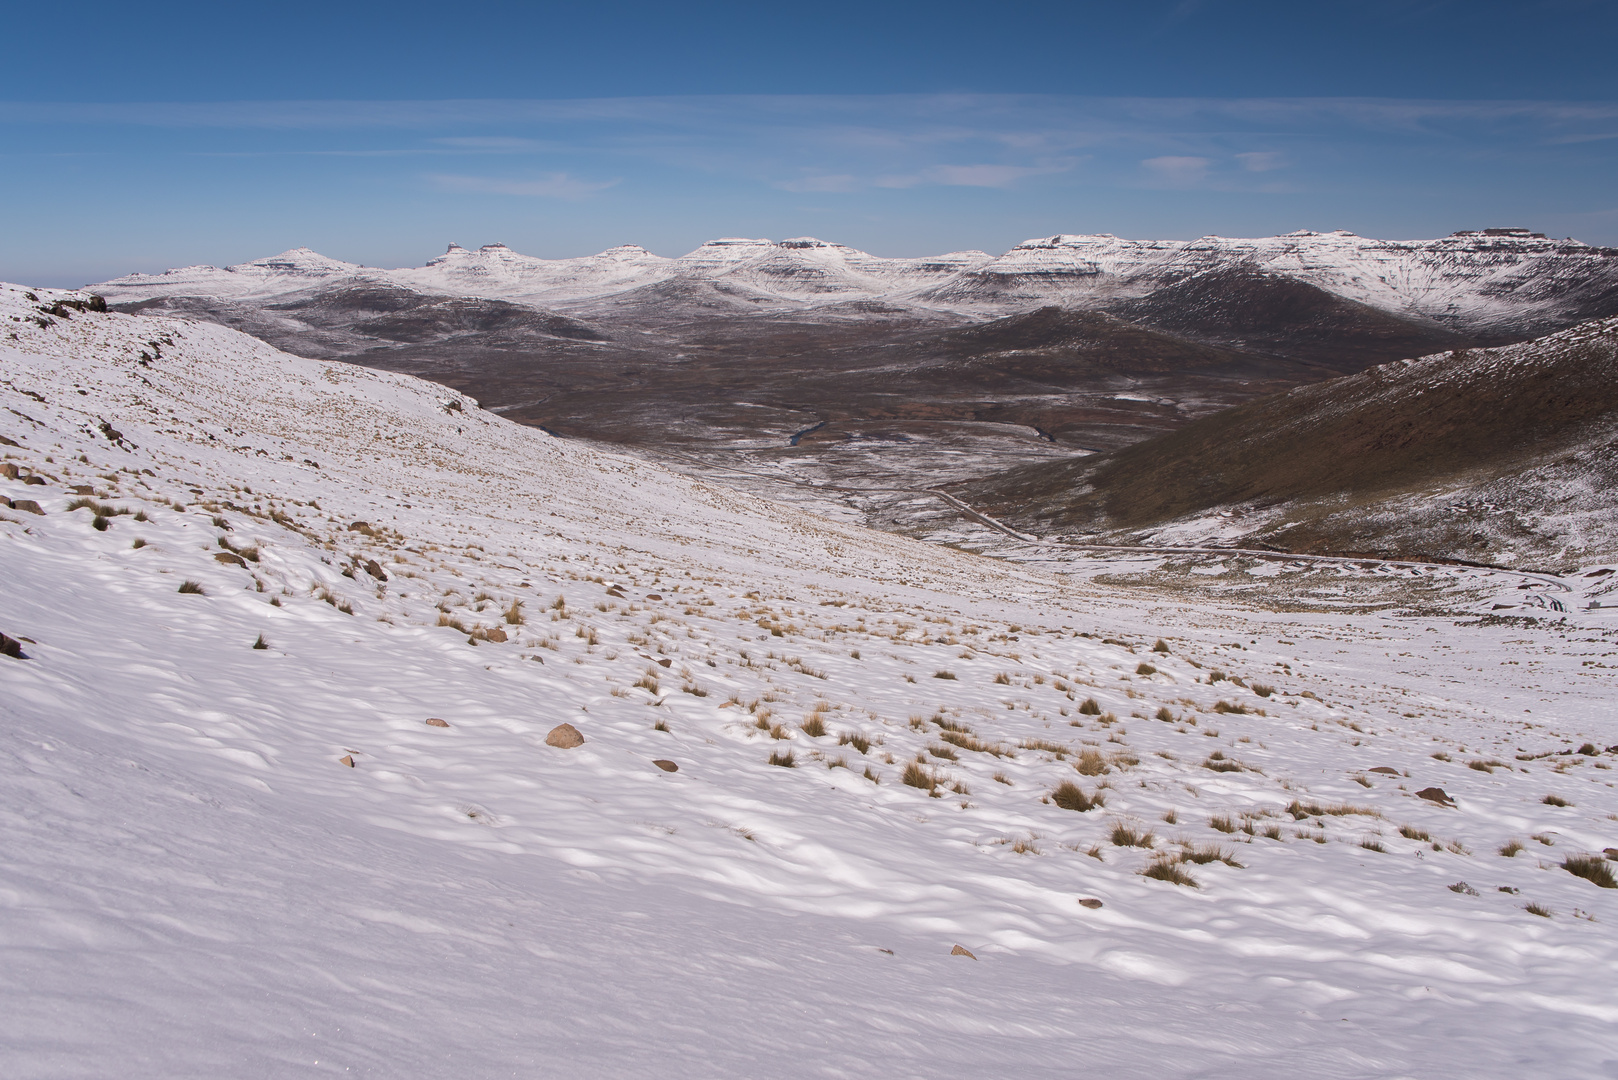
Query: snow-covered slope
[
  {"x": 233, "y": 844},
  {"x": 1481, "y": 280},
  {"x": 1501, "y": 280}
]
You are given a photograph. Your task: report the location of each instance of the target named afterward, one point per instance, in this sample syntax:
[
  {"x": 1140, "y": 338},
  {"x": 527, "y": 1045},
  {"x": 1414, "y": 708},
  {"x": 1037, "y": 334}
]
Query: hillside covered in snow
[
  {"x": 296, "y": 653},
  {"x": 1499, "y": 280}
]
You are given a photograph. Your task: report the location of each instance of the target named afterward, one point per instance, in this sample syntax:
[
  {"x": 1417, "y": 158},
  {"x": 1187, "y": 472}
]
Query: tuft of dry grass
[
  {"x": 854, "y": 739},
  {"x": 1143, "y": 668},
  {"x": 191, "y": 587},
  {"x": 813, "y": 726},
  {"x": 1218, "y": 762},
  {"x": 1212, "y": 853},
  {"x": 1167, "y": 868},
  {"x": 1410, "y": 832},
  {"x": 1164, "y": 714},
  {"x": 1090, "y": 707},
  {"x": 917, "y": 775},
  {"x": 1222, "y": 823},
  {"x": 1300, "y": 810},
  {"x": 1125, "y": 835},
  {"x": 1592, "y": 868},
  {"x": 1069, "y": 796},
  {"x": 1555, "y": 800},
  {"x": 1537, "y": 909},
  {"x": 784, "y": 758},
  {"x": 1510, "y": 848},
  {"x": 1090, "y": 762},
  {"x": 944, "y": 675}
]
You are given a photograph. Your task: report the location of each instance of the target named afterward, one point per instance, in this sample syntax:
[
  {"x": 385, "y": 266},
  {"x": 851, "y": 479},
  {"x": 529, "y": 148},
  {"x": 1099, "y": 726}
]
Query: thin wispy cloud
[{"x": 557, "y": 185}]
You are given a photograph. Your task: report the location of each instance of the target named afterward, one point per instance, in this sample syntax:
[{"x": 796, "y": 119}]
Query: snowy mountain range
[{"x": 1492, "y": 280}]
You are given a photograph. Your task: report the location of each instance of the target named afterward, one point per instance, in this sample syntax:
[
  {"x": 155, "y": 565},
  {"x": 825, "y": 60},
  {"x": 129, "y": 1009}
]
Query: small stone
[
  {"x": 565, "y": 736},
  {"x": 1611, "y": 853},
  {"x": 10, "y": 646},
  {"x": 359, "y": 526},
  {"x": 653, "y": 596},
  {"x": 230, "y": 557},
  {"x": 1437, "y": 795},
  {"x": 665, "y": 662},
  {"x": 347, "y": 759},
  {"x": 27, "y": 506},
  {"x": 8, "y": 442},
  {"x": 83, "y": 489},
  {"x": 374, "y": 568},
  {"x": 433, "y": 721},
  {"x": 496, "y": 635},
  {"x": 666, "y": 765},
  {"x": 40, "y": 480},
  {"x": 1090, "y": 902},
  {"x": 1384, "y": 770},
  {"x": 958, "y": 951},
  {"x": 9, "y": 470}
]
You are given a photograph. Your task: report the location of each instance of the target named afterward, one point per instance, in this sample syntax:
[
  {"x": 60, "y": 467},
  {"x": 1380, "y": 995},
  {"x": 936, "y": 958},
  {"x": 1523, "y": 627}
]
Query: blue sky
[{"x": 141, "y": 137}]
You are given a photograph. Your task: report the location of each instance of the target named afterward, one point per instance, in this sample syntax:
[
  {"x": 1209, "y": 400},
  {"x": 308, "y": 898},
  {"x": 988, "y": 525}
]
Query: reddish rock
[
  {"x": 1384, "y": 770},
  {"x": 1437, "y": 795},
  {"x": 28, "y": 506},
  {"x": 495, "y": 635},
  {"x": 347, "y": 759},
  {"x": 433, "y": 721},
  {"x": 1089, "y": 902},
  {"x": 666, "y": 765},
  {"x": 958, "y": 951}
]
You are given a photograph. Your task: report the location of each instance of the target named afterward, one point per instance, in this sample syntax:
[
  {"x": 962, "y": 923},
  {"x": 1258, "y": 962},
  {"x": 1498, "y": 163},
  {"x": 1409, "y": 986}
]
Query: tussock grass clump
[
  {"x": 191, "y": 587},
  {"x": 1046, "y": 745},
  {"x": 1165, "y": 714},
  {"x": 1222, "y": 823},
  {"x": 1161, "y": 646},
  {"x": 1143, "y": 668},
  {"x": 1069, "y": 796},
  {"x": 1223, "y": 706},
  {"x": 1262, "y": 690},
  {"x": 854, "y": 739},
  {"x": 872, "y": 776},
  {"x": 1555, "y": 800},
  {"x": 945, "y": 752},
  {"x": 514, "y": 615},
  {"x": 1125, "y": 835},
  {"x": 944, "y": 675},
  {"x": 1301, "y": 810},
  {"x": 1410, "y": 832},
  {"x": 1537, "y": 909},
  {"x": 1167, "y": 868},
  {"x": 813, "y": 726},
  {"x": 1090, "y": 762},
  {"x": 972, "y": 742},
  {"x": 1218, "y": 762},
  {"x": 1090, "y": 707},
  {"x": 1592, "y": 868},
  {"x": 261, "y": 643},
  {"x": 1371, "y": 843},
  {"x": 916, "y": 775},
  {"x": 1510, "y": 848},
  {"x": 1002, "y": 679},
  {"x": 784, "y": 758},
  {"x": 661, "y": 725},
  {"x": 1212, "y": 853}
]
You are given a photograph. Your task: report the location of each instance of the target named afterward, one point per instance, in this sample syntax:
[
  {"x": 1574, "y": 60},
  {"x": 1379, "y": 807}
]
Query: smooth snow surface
[{"x": 194, "y": 884}]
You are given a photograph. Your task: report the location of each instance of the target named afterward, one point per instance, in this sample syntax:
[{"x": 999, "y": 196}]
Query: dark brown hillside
[
  {"x": 1259, "y": 311},
  {"x": 1453, "y": 419}
]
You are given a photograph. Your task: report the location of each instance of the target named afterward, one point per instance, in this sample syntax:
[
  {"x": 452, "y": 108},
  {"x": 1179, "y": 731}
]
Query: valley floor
[{"x": 195, "y": 881}]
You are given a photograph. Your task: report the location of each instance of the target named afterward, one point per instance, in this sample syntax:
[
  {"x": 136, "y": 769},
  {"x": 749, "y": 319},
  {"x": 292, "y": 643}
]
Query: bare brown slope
[
  {"x": 1265, "y": 312},
  {"x": 1453, "y": 419}
]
